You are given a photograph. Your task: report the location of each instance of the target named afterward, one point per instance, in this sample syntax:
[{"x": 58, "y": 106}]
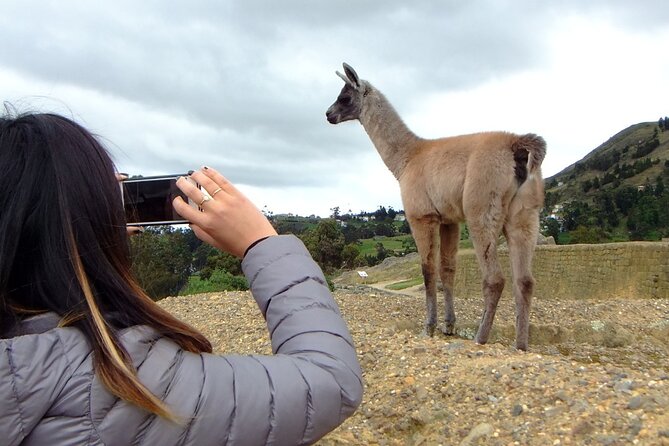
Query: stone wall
[{"x": 634, "y": 269}]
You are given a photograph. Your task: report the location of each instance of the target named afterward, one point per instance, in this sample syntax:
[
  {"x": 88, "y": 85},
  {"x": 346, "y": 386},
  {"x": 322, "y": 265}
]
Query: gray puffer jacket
[{"x": 49, "y": 394}]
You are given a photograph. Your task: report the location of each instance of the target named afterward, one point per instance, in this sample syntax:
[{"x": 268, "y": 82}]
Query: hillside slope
[
  {"x": 617, "y": 192},
  {"x": 632, "y": 157}
]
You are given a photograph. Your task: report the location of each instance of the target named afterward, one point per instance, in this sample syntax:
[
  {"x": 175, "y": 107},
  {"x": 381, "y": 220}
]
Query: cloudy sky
[{"x": 243, "y": 85}]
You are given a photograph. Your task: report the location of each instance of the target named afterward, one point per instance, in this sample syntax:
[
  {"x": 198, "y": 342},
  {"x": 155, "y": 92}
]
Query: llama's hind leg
[
  {"x": 449, "y": 236},
  {"x": 521, "y": 235},
  {"x": 485, "y": 244},
  {"x": 425, "y": 235}
]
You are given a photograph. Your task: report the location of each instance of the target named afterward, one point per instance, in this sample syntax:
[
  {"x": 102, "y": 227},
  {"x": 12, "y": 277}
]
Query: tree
[
  {"x": 584, "y": 234},
  {"x": 325, "y": 243},
  {"x": 405, "y": 228},
  {"x": 551, "y": 199},
  {"x": 608, "y": 209},
  {"x": 551, "y": 228},
  {"x": 595, "y": 183},
  {"x": 659, "y": 187},
  {"x": 381, "y": 252},
  {"x": 221, "y": 261},
  {"x": 350, "y": 255},
  {"x": 384, "y": 229},
  {"x": 201, "y": 255},
  {"x": 644, "y": 218},
  {"x": 334, "y": 212},
  {"x": 161, "y": 260},
  {"x": 625, "y": 198},
  {"x": 409, "y": 245},
  {"x": 381, "y": 214},
  {"x": 575, "y": 213},
  {"x": 586, "y": 185}
]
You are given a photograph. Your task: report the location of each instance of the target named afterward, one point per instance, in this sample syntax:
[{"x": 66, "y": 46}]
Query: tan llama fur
[{"x": 490, "y": 180}]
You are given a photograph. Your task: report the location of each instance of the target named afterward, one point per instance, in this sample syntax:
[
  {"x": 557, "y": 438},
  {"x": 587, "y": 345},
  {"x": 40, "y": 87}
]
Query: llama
[{"x": 491, "y": 180}]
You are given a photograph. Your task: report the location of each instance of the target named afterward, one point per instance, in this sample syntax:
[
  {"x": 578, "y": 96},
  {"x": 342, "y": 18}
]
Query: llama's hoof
[
  {"x": 521, "y": 346},
  {"x": 429, "y": 330},
  {"x": 480, "y": 341},
  {"x": 448, "y": 329}
]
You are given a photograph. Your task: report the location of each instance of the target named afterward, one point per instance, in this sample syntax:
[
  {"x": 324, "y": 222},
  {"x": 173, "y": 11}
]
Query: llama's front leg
[
  {"x": 493, "y": 280},
  {"x": 425, "y": 235},
  {"x": 449, "y": 236}
]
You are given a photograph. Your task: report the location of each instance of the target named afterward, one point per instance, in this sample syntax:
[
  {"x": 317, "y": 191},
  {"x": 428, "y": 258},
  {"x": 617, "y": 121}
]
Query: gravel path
[{"x": 597, "y": 371}]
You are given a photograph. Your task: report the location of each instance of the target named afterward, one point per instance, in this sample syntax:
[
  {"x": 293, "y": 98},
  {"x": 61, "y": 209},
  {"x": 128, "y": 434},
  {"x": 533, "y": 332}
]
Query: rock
[
  {"x": 542, "y": 240},
  {"x": 421, "y": 417},
  {"x": 640, "y": 402},
  {"x": 516, "y": 410},
  {"x": 553, "y": 411},
  {"x": 451, "y": 346},
  {"x": 635, "y": 427},
  {"x": 562, "y": 396},
  {"x": 583, "y": 428},
  {"x": 606, "y": 440},
  {"x": 623, "y": 386},
  {"x": 480, "y": 430}
]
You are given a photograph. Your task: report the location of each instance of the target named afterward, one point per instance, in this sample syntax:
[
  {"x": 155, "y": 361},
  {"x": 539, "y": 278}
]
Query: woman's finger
[
  {"x": 205, "y": 182},
  {"x": 190, "y": 189},
  {"x": 188, "y": 212},
  {"x": 219, "y": 179},
  {"x": 133, "y": 230}
]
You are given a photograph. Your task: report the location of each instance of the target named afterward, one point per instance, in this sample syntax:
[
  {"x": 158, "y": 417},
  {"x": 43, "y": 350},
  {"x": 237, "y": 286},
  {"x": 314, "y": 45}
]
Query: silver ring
[
  {"x": 215, "y": 192},
  {"x": 205, "y": 198}
]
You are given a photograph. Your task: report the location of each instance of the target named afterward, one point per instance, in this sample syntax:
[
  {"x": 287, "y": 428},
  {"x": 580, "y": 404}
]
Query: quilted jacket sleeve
[{"x": 307, "y": 388}]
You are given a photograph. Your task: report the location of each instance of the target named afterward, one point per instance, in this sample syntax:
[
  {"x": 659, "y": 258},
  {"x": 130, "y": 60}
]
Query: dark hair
[{"x": 64, "y": 247}]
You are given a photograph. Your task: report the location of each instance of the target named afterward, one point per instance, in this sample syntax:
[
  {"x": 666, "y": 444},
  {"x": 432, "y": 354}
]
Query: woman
[{"x": 87, "y": 358}]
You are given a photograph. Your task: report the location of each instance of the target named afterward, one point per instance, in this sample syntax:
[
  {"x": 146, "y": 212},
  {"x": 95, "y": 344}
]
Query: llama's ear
[
  {"x": 352, "y": 75},
  {"x": 344, "y": 78}
]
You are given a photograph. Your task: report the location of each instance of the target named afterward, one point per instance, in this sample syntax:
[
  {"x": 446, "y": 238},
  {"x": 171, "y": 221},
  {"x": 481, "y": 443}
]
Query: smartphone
[{"x": 148, "y": 200}]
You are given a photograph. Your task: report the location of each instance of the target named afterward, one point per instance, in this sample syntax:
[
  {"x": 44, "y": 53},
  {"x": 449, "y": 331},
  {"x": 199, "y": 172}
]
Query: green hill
[
  {"x": 637, "y": 144},
  {"x": 617, "y": 190}
]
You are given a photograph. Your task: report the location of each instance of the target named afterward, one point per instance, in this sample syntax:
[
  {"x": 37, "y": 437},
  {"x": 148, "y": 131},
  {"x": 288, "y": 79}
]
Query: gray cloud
[{"x": 256, "y": 77}]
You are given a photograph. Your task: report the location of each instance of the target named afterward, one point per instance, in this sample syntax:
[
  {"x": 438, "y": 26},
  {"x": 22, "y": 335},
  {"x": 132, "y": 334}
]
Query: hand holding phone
[{"x": 228, "y": 220}]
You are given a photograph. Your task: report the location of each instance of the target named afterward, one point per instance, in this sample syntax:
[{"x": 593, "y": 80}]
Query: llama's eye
[{"x": 346, "y": 100}]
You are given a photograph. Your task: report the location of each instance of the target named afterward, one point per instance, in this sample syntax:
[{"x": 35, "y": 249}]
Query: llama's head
[{"x": 349, "y": 102}]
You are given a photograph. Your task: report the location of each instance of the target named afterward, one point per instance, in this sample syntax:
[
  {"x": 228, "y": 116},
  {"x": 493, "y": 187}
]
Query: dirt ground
[{"x": 597, "y": 372}]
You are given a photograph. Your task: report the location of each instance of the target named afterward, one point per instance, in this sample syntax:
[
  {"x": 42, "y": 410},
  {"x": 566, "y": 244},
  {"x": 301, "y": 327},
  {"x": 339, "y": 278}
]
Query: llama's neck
[{"x": 389, "y": 134}]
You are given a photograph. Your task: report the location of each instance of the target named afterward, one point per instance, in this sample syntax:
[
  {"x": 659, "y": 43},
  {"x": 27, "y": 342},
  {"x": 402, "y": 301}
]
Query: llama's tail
[
  {"x": 528, "y": 153},
  {"x": 535, "y": 147}
]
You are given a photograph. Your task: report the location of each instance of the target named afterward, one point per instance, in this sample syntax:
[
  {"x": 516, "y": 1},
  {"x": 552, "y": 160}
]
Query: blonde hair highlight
[{"x": 111, "y": 361}]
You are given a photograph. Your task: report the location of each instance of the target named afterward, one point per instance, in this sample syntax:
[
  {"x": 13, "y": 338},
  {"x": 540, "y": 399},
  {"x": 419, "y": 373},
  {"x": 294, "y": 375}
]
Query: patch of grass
[
  {"x": 466, "y": 244},
  {"x": 563, "y": 238},
  {"x": 368, "y": 246},
  {"x": 405, "y": 284},
  {"x": 219, "y": 281}
]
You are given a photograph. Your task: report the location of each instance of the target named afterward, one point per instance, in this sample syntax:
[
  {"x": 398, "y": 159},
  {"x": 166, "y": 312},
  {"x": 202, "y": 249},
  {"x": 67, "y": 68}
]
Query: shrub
[{"x": 219, "y": 280}]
